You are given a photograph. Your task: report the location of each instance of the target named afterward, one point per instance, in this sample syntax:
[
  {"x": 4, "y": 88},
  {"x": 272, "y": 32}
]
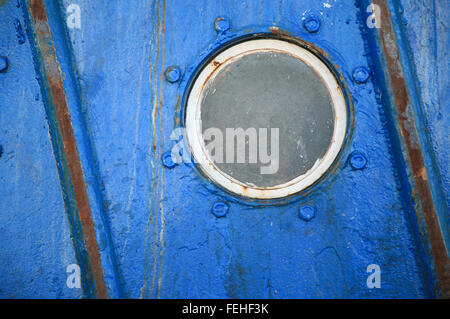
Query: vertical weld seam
[
  {"x": 416, "y": 160},
  {"x": 161, "y": 118},
  {"x": 155, "y": 146},
  {"x": 59, "y": 102}
]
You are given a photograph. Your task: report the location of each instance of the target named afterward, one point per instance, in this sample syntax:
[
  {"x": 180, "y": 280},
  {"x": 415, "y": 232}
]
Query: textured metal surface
[
  {"x": 411, "y": 138},
  {"x": 53, "y": 87},
  {"x": 427, "y": 51},
  {"x": 165, "y": 231},
  {"x": 35, "y": 241}
]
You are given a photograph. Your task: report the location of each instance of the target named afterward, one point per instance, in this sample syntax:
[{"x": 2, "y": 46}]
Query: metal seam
[
  {"x": 409, "y": 135},
  {"x": 58, "y": 101}
]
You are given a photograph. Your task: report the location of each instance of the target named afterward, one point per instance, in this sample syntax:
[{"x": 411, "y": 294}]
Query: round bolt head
[
  {"x": 361, "y": 75},
  {"x": 167, "y": 160},
  {"x": 358, "y": 160},
  {"x": 173, "y": 74},
  {"x": 311, "y": 24},
  {"x": 307, "y": 212},
  {"x": 220, "y": 209},
  {"x": 3, "y": 64},
  {"x": 222, "y": 24}
]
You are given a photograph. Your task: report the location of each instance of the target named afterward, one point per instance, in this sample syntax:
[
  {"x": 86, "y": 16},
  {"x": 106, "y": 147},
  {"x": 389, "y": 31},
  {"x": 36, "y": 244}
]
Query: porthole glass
[{"x": 265, "y": 118}]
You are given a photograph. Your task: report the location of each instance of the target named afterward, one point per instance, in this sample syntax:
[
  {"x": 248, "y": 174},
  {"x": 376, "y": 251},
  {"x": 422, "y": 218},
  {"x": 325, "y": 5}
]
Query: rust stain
[
  {"x": 244, "y": 191},
  {"x": 278, "y": 31},
  {"x": 410, "y": 136},
  {"x": 157, "y": 111},
  {"x": 152, "y": 215},
  {"x": 177, "y": 120},
  {"x": 154, "y": 82},
  {"x": 288, "y": 36},
  {"x": 58, "y": 97},
  {"x": 216, "y": 65},
  {"x": 161, "y": 116}
]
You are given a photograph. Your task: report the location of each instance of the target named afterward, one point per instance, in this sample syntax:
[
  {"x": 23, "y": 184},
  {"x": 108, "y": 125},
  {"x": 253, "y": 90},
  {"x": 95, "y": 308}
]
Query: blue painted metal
[
  {"x": 157, "y": 237},
  {"x": 35, "y": 242},
  {"x": 173, "y": 74},
  {"x": 167, "y": 160},
  {"x": 307, "y": 212},
  {"x": 425, "y": 50},
  {"x": 220, "y": 209},
  {"x": 361, "y": 75},
  {"x": 357, "y": 160},
  {"x": 3, "y": 63}
]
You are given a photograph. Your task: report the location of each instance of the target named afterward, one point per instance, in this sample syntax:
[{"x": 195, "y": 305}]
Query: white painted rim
[{"x": 194, "y": 126}]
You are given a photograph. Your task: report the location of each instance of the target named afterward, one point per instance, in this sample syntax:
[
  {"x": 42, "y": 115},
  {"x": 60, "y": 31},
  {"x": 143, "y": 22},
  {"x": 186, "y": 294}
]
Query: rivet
[
  {"x": 3, "y": 64},
  {"x": 307, "y": 212},
  {"x": 173, "y": 74},
  {"x": 222, "y": 24},
  {"x": 167, "y": 160},
  {"x": 361, "y": 75},
  {"x": 220, "y": 209},
  {"x": 358, "y": 160},
  {"x": 311, "y": 24}
]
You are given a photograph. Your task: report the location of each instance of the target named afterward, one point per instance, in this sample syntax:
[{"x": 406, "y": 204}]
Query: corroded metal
[
  {"x": 410, "y": 136},
  {"x": 56, "y": 94},
  {"x": 162, "y": 232}
]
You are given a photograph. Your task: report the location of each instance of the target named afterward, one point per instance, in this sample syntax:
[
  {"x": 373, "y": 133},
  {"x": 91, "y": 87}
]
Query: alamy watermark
[
  {"x": 374, "y": 279},
  {"x": 74, "y": 277},
  {"x": 73, "y": 19},
  {"x": 374, "y": 20},
  {"x": 235, "y": 145}
]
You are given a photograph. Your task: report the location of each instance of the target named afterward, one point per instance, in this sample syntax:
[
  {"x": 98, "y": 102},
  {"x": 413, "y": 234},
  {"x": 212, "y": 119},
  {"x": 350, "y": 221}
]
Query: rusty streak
[
  {"x": 58, "y": 98},
  {"x": 411, "y": 138}
]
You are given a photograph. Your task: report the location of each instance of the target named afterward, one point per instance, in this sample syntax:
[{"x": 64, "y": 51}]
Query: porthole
[{"x": 265, "y": 118}]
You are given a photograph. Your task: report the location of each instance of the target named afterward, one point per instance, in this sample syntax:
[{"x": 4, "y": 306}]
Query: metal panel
[
  {"x": 35, "y": 242},
  {"x": 144, "y": 230}
]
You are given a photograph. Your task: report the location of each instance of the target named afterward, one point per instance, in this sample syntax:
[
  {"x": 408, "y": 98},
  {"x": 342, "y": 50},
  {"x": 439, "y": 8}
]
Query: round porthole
[{"x": 265, "y": 118}]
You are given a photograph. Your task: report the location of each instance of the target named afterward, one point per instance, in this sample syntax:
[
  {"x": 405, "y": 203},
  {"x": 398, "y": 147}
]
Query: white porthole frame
[{"x": 194, "y": 125}]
